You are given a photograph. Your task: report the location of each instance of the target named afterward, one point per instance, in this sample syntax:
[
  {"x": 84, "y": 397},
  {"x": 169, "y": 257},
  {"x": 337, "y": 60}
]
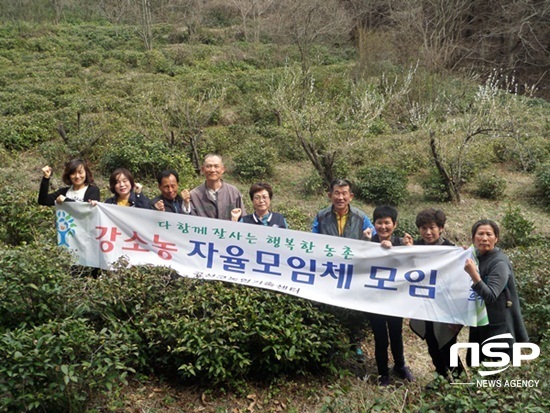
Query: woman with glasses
[{"x": 261, "y": 194}]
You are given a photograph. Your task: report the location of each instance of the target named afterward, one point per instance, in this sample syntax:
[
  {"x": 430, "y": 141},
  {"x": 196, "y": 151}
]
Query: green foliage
[
  {"x": 285, "y": 143},
  {"x": 532, "y": 273},
  {"x": 255, "y": 160},
  {"x": 56, "y": 365},
  {"x": 471, "y": 398},
  {"x": 381, "y": 185},
  {"x": 406, "y": 224},
  {"x": 145, "y": 157},
  {"x": 518, "y": 231},
  {"x": 490, "y": 186},
  {"x": 295, "y": 217},
  {"x": 218, "y": 140},
  {"x": 33, "y": 284},
  {"x": 312, "y": 185},
  {"x": 22, "y": 132},
  {"x": 23, "y": 220},
  {"x": 435, "y": 188},
  {"x": 542, "y": 182},
  {"x": 215, "y": 332}
]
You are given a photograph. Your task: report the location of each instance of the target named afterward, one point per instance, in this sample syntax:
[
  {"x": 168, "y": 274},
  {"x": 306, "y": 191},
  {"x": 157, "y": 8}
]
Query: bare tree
[
  {"x": 183, "y": 114},
  {"x": 461, "y": 139},
  {"x": 251, "y": 11},
  {"x": 115, "y": 11},
  {"x": 146, "y": 23},
  {"x": 305, "y": 23},
  {"x": 58, "y": 7},
  {"x": 188, "y": 12},
  {"x": 329, "y": 126}
]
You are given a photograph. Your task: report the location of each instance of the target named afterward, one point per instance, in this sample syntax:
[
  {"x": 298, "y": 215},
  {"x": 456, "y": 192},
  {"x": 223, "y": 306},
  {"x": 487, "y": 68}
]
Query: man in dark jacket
[{"x": 169, "y": 199}]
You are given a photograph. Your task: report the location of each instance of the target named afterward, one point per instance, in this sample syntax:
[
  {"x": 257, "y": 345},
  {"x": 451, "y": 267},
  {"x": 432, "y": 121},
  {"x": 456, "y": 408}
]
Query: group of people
[{"x": 491, "y": 273}]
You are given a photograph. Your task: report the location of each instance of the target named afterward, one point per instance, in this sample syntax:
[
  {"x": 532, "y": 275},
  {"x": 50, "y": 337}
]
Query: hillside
[{"x": 92, "y": 90}]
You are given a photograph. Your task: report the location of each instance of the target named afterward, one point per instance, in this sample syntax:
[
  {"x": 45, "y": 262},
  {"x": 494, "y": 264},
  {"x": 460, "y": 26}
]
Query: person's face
[
  {"x": 384, "y": 228},
  {"x": 213, "y": 169},
  {"x": 261, "y": 202},
  {"x": 78, "y": 177},
  {"x": 340, "y": 197},
  {"x": 123, "y": 185},
  {"x": 430, "y": 233},
  {"x": 169, "y": 187},
  {"x": 485, "y": 239}
]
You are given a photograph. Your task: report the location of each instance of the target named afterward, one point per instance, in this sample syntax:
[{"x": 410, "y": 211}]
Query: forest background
[{"x": 420, "y": 103}]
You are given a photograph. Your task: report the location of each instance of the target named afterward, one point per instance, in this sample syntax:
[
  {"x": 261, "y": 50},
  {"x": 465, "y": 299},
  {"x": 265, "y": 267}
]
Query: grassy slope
[{"x": 32, "y": 67}]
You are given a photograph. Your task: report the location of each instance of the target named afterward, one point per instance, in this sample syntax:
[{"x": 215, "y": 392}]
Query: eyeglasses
[{"x": 261, "y": 198}]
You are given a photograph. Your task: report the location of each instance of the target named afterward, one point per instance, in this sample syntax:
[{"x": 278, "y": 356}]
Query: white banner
[{"x": 419, "y": 282}]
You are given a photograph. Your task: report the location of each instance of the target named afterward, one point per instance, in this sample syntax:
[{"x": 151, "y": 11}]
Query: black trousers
[
  {"x": 388, "y": 331},
  {"x": 441, "y": 357}
]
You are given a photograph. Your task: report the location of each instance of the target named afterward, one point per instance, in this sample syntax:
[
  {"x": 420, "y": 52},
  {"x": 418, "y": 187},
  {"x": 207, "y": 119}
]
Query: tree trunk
[{"x": 451, "y": 187}]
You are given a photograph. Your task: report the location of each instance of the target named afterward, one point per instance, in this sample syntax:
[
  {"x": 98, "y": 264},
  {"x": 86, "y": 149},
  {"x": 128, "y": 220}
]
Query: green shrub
[
  {"x": 219, "y": 140},
  {"x": 532, "y": 273},
  {"x": 518, "y": 231},
  {"x": 490, "y": 186},
  {"x": 155, "y": 61},
  {"x": 295, "y": 217},
  {"x": 434, "y": 188},
  {"x": 286, "y": 144},
  {"x": 25, "y": 131},
  {"x": 312, "y": 184},
  {"x": 23, "y": 220},
  {"x": 34, "y": 282},
  {"x": 56, "y": 366},
  {"x": 381, "y": 185},
  {"x": 145, "y": 157},
  {"x": 542, "y": 182},
  {"x": 214, "y": 332},
  {"x": 255, "y": 160},
  {"x": 90, "y": 58}
]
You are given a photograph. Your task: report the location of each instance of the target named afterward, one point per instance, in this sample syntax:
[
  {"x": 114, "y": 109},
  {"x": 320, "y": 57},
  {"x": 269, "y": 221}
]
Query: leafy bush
[
  {"x": 56, "y": 365},
  {"x": 255, "y": 160},
  {"x": 434, "y": 188},
  {"x": 145, "y": 158},
  {"x": 532, "y": 273},
  {"x": 215, "y": 332},
  {"x": 24, "y": 131},
  {"x": 23, "y": 220},
  {"x": 34, "y": 282},
  {"x": 518, "y": 231},
  {"x": 287, "y": 146},
  {"x": 490, "y": 186},
  {"x": 381, "y": 185},
  {"x": 542, "y": 181},
  {"x": 312, "y": 184},
  {"x": 295, "y": 217}
]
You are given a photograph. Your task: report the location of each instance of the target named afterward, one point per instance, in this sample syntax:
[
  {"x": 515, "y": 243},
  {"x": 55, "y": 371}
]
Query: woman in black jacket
[{"x": 78, "y": 176}]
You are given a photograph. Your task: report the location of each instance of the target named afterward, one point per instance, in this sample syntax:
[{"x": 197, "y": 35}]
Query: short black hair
[
  {"x": 489, "y": 222},
  {"x": 429, "y": 215},
  {"x": 385, "y": 211},
  {"x": 166, "y": 174},
  {"x": 340, "y": 182}
]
